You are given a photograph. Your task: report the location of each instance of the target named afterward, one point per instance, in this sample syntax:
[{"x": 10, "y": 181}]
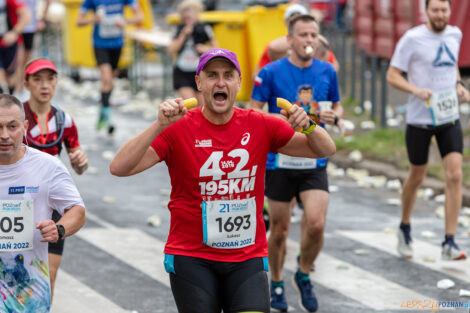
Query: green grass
[
  {"x": 381, "y": 144},
  {"x": 388, "y": 145}
]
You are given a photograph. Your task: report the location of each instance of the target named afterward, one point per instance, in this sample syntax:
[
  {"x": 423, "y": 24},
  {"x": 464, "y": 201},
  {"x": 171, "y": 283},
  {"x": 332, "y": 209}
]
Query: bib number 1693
[{"x": 235, "y": 224}]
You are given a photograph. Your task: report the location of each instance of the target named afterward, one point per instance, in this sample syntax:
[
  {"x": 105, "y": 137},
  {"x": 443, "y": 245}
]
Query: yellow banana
[
  {"x": 286, "y": 105},
  {"x": 190, "y": 103}
]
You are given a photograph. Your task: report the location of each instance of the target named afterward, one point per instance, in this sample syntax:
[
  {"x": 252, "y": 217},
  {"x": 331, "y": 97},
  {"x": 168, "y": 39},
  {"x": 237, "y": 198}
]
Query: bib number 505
[{"x": 7, "y": 224}]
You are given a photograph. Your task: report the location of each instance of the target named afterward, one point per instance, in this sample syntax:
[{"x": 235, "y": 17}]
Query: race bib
[
  {"x": 229, "y": 224},
  {"x": 295, "y": 163},
  {"x": 108, "y": 27},
  {"x": 444, "y": 106},
  {"x": 188, "y": 59},
  {"x": 16, "y": 225}
]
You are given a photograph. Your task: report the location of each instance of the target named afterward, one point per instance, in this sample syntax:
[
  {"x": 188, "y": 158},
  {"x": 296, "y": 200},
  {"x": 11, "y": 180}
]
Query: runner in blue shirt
[
  {"x": 108, "y": 39},
  {"x": 312, "y": 84}
]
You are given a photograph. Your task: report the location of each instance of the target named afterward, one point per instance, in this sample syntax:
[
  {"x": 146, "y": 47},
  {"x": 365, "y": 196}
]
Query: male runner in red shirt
[{"x": 216, "y": 252}]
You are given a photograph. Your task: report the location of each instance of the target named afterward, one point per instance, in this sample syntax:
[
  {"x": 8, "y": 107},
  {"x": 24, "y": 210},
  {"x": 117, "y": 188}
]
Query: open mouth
[{"x": 220, "y": 96}]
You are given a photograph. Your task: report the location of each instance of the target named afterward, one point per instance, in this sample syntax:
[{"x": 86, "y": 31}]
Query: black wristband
[
  {"x": 461, "y": 82},
  {"x": 336, "y": 120}
]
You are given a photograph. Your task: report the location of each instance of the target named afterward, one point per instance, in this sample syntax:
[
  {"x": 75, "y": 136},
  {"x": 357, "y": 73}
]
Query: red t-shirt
[
  {"x": 8, "y": 16},
  {"x": 331, "y": 58},
  {"x": 43, "y": 136},
  {"x": 209, "y": 162}
]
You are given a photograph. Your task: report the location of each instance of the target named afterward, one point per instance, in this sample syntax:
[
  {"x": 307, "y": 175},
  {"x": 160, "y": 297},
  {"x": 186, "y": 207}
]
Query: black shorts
[
  {"x": 108, "y": 56},
  {"x": 28, "y": 39},
  {"x": 57, "y": 247},
  {"x": 183, "y": 79},
  {"x": 204, "y": 286},
  {"x": 418, "y": 138},
  {"x": 8, "y": 58},
  {"x": 283, "y": 185}
]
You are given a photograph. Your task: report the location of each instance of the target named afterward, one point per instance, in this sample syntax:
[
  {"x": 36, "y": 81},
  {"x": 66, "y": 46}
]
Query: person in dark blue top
[
  {"x": 312, "y": 84},
  {"x": 108, "y": 39}
]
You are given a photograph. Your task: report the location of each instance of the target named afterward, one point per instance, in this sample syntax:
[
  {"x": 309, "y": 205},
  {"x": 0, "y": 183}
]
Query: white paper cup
[{"x": 325, "y": 105}]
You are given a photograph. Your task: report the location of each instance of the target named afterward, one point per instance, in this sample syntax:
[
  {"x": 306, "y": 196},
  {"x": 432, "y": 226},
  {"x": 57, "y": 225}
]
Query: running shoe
[
  {"x": 404, "y": 246},
  {"x": 308, "y": 301},
  {"x": 278, "y": 299},
  {"x": 102, "y": 123},
  {"x": 110, "y": 129},
  {"x": 451, "y": 252}
]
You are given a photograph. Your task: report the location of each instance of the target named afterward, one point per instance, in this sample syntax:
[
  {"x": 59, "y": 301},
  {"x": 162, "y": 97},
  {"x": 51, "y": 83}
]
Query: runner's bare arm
[
  {"x": 177, "y": 43},
  {"x": 137, "y": 16},
  {"x": 203, "y": 48},
  {"x": 72, "y": 220},
  {"x": 330, "y": 116},
  {"x": 316, "y": 144},
  {"x": 41, "y": 25},
  {"x": 463, "y": 92},
  {"x": 78, "y": 159},
  {"x": 84, "y": 19},
  {"x": 256, "y": 105},
  {"x": 11, "y": 36},
  {"x": 395, "y": 79},
  {"x": 24, "y": 17},
  {"x": 136, "y": 155},
  {"x": 278, "y": 48}
]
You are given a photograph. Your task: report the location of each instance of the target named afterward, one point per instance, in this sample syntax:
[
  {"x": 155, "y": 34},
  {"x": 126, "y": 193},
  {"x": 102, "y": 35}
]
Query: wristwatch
[
  {"x": 60, "y": 230},
  {"x": 311, "y": 128}
]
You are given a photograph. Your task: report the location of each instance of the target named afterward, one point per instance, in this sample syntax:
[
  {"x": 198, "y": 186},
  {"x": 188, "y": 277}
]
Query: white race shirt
[
  {"x": 429, "y": 59},
  {"x": 41, "y": 181}
]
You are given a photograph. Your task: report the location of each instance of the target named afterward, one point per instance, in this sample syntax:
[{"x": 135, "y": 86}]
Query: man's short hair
[
  {"x": 427, "y": 2},
  {"x": 304, "y": 87},
  {"x": 303, "y": 18},
  {"x": 7, "y": 101}
]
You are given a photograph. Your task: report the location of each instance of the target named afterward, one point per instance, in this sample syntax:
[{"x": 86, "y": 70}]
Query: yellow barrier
[{"x": 78, "y": 41}]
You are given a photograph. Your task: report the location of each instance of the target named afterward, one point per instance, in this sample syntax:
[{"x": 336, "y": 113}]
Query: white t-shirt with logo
[
  {"x": 429, "y": 59},
  {"x": 29, "y": 190}
]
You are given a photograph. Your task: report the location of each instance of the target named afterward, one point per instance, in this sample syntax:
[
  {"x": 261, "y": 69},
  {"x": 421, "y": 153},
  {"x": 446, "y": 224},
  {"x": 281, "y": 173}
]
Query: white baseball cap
[{"x": 295, "y": 9}]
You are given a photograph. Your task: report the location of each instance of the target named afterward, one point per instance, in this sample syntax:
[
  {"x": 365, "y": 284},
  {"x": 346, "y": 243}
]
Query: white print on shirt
[
  {"x": 238, "y": 179},
  {"x": 245, "y": 139}
]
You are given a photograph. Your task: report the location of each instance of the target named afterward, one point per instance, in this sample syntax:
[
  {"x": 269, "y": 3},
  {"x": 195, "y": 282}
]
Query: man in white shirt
[
  {"x": 429, "y": 55},
  {"x": 32, "y": 184}
]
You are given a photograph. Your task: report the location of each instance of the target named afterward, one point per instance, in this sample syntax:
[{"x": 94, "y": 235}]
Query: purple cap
[{"x": 218, "y": 53}]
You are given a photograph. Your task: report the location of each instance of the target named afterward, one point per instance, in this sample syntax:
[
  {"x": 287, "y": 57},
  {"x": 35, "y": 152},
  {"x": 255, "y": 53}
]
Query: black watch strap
[
  {"x": 461, "y": 82},
  {"x": 60, "y": 230}
]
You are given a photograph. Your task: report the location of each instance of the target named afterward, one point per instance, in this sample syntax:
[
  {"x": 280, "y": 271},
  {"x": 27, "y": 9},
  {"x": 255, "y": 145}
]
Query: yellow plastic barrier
[
  {"x": 78, "y": 41},
  {"x": 246, "y": 33}
]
